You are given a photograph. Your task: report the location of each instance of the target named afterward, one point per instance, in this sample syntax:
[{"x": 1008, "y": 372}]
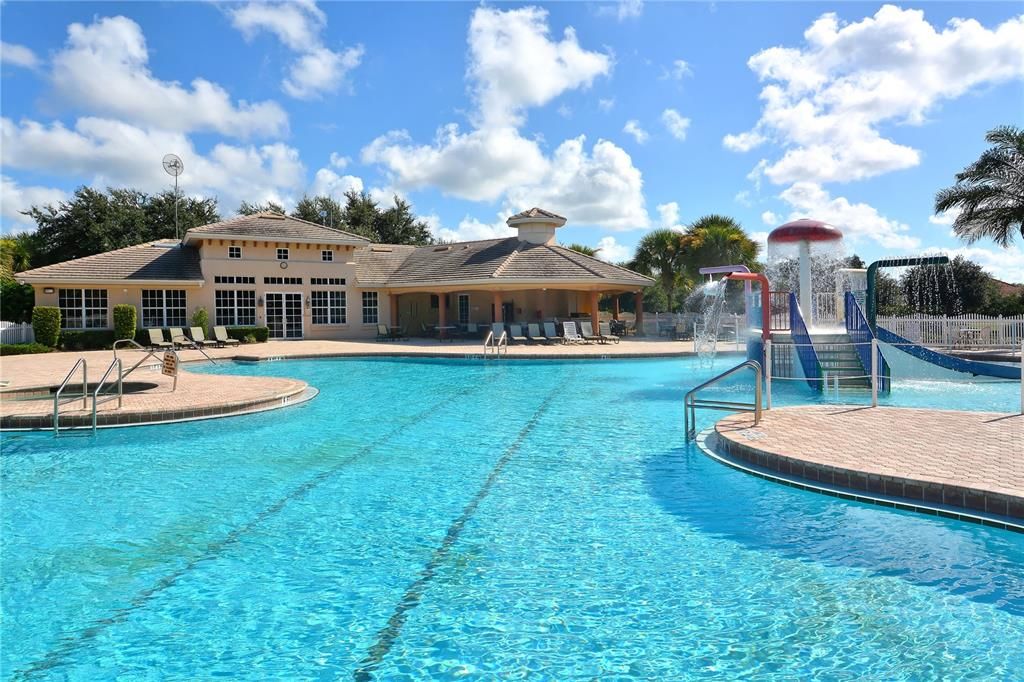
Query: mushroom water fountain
[{"x": 807, "y": 235}]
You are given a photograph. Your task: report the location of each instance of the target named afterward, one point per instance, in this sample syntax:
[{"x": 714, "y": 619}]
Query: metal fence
[
  {"x": 16, "y": 332},
  {"x": 961, "y": 331}
]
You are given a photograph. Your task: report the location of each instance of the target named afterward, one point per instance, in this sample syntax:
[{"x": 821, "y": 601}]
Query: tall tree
[
  {"x": 93, "y": 221},
  {"x": 360, "y": 214},
  {"x": 398, "y": 225},
  {"x": 584, "y": 249},
  {"x": 718, "y": 240},
  {"x": 662, "y": 254},
  {"x": 266, "y": 207},
  {"x": 954, "y": 289},
  {"x": 990, "y": 192},
  {"x": 320, "y": 209}
]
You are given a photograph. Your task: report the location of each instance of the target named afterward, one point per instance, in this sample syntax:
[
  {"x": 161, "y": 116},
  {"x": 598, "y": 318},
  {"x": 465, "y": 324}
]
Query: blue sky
[{"x": 623, "y": 117}]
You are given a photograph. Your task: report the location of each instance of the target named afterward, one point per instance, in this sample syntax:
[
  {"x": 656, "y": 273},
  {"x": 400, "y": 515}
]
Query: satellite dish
[{"x": 173, "y": 165}]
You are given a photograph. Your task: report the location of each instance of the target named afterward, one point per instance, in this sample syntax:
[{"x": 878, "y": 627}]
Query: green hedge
[
  {"x": 87, "y": 339},
  {"x": 23, "y": 348},
  {"x": 201, "y": 319},
  {"x": 46, "y": 325},
  {"x": 125, "y": 318},
  {"x": 261, "y": 334}
]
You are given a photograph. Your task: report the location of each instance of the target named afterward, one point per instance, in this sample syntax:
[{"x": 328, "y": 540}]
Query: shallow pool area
[{"x": 445, "y": 519}]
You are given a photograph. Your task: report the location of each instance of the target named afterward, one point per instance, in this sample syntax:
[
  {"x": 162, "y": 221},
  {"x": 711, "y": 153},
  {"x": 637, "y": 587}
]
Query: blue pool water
[{"x": 448, "y": 519}]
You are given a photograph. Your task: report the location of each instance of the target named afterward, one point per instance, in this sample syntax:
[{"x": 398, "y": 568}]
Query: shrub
[
  {"x": 46, "y": 325},
  {"x": 124, "y": 321},
  {"x": 249, "y": 338},
  {"x": 259, "y": 334},
  {"x": 16, "y": 301},
  {"x": 23, "y": 348},
  {"x": 87, "y": 339},
  {"x": 201, "y": 319}
]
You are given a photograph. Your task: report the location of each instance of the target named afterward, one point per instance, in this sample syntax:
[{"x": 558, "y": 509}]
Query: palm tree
[
  {"x": 663, "y": 254},
  {"x": 718, "y": 240},
  {"x": 584, "y": 249},
  {"x": 990, "y": 192}
]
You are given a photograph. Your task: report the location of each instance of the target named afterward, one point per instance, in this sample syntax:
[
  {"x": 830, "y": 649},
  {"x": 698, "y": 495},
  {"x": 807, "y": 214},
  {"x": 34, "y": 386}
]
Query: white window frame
[
  {"x": 283, "y": 253},
  {"x": 335, "y": 308},
  {"x": 327, "y": 256},
  {"x": 233, "y": 250},
  {"x": 163, "y": 308},
  {"x": 234, "y": 307},
  {"x": 84, "y": 310},
  {"x": 371, "y": 309}
]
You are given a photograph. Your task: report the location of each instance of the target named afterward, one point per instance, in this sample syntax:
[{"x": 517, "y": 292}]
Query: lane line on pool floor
[
  {"x": 70, "y": 643},
  {"x": 387, "y": 637}
]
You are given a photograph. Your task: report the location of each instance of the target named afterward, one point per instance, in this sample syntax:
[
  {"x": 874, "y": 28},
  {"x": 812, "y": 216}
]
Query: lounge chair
[
  {"x": 515, "y": 334},
  {"x": 179, "y": 339},
  {"x": 472, "y": 329},
  {"x": 587, "y": 330},
  {"x": 551, "y": 333},
  {"x": 533, "y": 334},
  {"x": 383, "y": 334},
  {"x": 570, "y": 333},
  {"x": 156, "y": 339},
  {"x": 199, "y": 337},
  {"x": 221, "y": 335},
  {"x": 497, "y": 328},
  {"x": 606, "y": 332}
]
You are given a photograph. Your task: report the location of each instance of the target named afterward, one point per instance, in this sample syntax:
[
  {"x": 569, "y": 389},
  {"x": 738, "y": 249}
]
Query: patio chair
[
  {"x": 515, "y": 334},
  {"x": 399, "y": 334},
  {"x": 383, "y": 333},
  {"x": 497, "y": 328},
  {"x": 156, "y": 339},
  {"x": 533, "y": 334},
  {"x": 179, "y": 339},
  {"x": 606, "y": 332},
  {"x": 221, "y": 335},
  {"x": 472, "y": 329},
  {"x": 199, "y": 337},
  {"x": 587, "y": 331},
  {"x": 570, "y": 333},
  {"x": 551, "y": 333}
]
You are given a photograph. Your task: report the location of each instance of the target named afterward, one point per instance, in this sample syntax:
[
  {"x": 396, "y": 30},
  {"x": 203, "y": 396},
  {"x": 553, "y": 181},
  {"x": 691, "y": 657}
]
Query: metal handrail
[
  {"x": 496, "y": 345},
  {"x": 99, "y": 387},
  {"x": 63, "y": 384},
  {"x": 691, "y": 402}
]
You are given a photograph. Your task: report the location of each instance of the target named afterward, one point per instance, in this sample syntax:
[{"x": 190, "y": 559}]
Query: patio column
[
  {"x": 615, "y": 307},
  {"x": 640, "y": 313},
  {"x": 498, "y": 317},
  {"x": 595, "y": 316},
  {"x": 393, "y": 302},
  {"x": 441, "y": 321}
]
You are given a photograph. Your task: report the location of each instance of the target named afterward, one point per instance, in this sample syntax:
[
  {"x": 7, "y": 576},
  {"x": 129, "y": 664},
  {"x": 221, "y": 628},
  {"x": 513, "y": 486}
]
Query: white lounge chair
[
  {"x": 221, "y": 334},
  {"x": 570, "y": 333},
  {"x": 156, "y": 339},
  {"x": 199, "y": 337},
  {"x": 179, "y": 339}
]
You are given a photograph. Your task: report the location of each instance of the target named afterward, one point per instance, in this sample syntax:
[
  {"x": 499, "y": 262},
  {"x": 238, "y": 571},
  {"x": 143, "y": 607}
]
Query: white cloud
[
  {"x": 610, "y": 250},
  {"x": 328, "y": 183},
  {"x": 622, "y": 10},
  {"x": 668, "y": 216},
  {"x": 385, "y": 196},
  {"x": 633, "y": 128},
  {"x": 675, "y": 123},
  {"x": 14, "y": 199},
  {"x": 104, "y": 68},
  {"x": 824, "y": 102},
  {"x": 515, "y": 65},
  {"x": 858, "y": 222},
  {"x": 761, "y": 237},
  {"x": 944, "y": 218},
  {"x": 606, "y": 105},
  {"x": 114, "y": 153},
  {"x": 1004, "y": 264},
  {"x": 318, "y": 70},
  {"x": 743, "y": 198},
  {"x": 472, "y": 229},
  {"x": 565, "y": 111},
  {"x": 769, "y": 218},
  {"x": 680, "y": 70},
  {"x": 340, "y": 162},
  {"x": 17, "y": 55}
]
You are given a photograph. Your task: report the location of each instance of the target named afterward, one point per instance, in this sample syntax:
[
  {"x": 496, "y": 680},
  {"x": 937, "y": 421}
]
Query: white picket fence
[
  {"x": 962, "y": 330},
  {"x": 15, "y": 332}
]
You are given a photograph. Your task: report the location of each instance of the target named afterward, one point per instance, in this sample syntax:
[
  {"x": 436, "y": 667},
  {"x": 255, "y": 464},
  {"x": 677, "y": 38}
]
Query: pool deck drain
[{"x": 968, "y": 461}]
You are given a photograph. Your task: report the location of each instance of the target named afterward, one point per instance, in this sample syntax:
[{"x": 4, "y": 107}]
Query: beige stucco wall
[{"x": 414, "y": 309}]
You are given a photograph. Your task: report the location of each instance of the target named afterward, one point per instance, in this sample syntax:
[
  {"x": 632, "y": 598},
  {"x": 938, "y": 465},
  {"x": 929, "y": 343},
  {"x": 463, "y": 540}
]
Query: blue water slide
[
  {"x": 983, "y": 369},
  {"x": 804, "y": 346}
]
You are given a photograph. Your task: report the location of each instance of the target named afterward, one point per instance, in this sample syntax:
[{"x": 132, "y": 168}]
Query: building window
[
  {"x": 463, "y": 308},
  {"x": 369, "y": 307},
  {"x": 328, "y": 307},
  {"x": 327, "y": 281},
  {"x": 234, "y": 252},
  {"x": 327, "y": 256},
  {"x": 235, "y": 308},
  {"x": 163, "y": 308},
  {"x": 234, "y": 279},
  {"x": 282, "y": 254},
  {"x": 282, "y": 280},
  {"x": 82, "y": 308}
]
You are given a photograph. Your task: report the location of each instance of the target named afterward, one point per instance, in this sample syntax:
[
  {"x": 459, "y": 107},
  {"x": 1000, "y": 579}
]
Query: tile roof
[
  {"x": 375, "y": 264},
  {"x": 275, "y": 226},
  {"x": 536, "y": 213},
  {"x": 164, "y": 259}
]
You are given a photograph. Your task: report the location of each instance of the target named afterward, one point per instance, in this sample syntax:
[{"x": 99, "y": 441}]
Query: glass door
[
  {"x": 293, "y": 316},
  {"x": 275, "y": 315}
]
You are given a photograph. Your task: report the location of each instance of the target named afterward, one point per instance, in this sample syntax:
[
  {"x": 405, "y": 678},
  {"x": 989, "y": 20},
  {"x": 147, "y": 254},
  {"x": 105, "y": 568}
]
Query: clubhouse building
[{"x": 304, "y": 280}]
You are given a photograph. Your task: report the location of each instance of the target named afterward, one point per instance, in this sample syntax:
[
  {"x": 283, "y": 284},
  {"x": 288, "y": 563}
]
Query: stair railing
[
  {"x": 860, "y": 334},
  {"x": 96, "y": 401},
  {"x": 495, "y": 345},
  {"x": 85, "y": 392},
  {"x": 804, "y": 346},
  {"x": 691, "y": 402}
]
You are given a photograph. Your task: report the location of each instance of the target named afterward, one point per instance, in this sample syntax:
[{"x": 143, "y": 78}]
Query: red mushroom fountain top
[{"x": 802, "y": 230}]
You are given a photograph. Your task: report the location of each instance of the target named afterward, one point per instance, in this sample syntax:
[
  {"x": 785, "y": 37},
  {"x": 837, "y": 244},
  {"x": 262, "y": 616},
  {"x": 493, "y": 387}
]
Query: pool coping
[{"x": 708, "y": 439}]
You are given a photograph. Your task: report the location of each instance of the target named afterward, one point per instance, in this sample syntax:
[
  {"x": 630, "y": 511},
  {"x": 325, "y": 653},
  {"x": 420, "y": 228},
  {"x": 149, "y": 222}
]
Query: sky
[{"x": 623, "y": 117}]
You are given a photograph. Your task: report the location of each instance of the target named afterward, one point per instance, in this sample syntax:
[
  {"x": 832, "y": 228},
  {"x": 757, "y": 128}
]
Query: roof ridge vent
[
  {"x": 381, "y": 249},
  {"x": 445, "y": 247},
  {"x": 270, "y": 215}
]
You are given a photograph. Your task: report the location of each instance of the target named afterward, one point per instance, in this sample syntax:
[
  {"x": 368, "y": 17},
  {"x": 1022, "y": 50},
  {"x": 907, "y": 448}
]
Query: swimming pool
[{"x": 449, "y": 519}]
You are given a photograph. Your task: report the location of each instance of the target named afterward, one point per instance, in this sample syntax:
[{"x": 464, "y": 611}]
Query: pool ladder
[
  {"x": 96, "y": 399},
  {"x": 495, "y": 345},
  {"x": 691, "y": 402}
]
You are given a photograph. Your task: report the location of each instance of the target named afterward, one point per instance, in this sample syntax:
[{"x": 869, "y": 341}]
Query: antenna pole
[{"x": 176, "y": 207}]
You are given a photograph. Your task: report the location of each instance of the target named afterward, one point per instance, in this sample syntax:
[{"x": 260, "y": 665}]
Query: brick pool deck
[
  {"x": 971, "y": 461},
  {"x": 204, "y": 395}
]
